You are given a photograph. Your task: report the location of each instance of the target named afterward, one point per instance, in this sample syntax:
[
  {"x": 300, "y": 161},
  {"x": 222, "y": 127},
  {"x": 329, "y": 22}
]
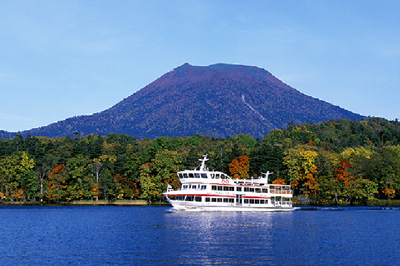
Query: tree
[
  {"x": 79, "y": 169},
  {"x": 17, "y": 177},
  {"x": 302, "y": 170},
  {"x": 125, "y": 188},
  {"x": 165, "y": 165},
  {"x": 56, "y": 184},
  {"x": 147, "y": 184},
  {"x": 266, "y": 157},
  {"x": 97, "y": 168},
  {"x": 239, "y": 168}
]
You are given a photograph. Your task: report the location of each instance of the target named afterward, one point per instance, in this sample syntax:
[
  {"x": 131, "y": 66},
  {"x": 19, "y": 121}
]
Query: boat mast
[
  {"x": 266, "y": 175},
  {"x": 203, "y": 166}
]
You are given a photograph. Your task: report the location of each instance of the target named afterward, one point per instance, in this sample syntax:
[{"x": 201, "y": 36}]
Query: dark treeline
[{"x": 334, "y": 162}]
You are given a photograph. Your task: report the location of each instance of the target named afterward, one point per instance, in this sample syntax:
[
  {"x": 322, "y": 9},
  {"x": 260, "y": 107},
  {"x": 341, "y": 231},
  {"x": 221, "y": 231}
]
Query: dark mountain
[{"x": 219, "y": 100}]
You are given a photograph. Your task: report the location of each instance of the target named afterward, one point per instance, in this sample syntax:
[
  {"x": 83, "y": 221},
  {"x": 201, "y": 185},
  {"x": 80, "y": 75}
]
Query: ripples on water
[{"x": 156, "y": 236}]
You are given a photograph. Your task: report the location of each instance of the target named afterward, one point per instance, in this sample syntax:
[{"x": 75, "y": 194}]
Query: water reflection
[
  {"x": 152, "y": 236},
  {"x": 224, "y": 237}
]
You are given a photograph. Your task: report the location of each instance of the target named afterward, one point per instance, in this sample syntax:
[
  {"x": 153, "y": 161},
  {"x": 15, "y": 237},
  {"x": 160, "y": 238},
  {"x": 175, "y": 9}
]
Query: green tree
[
  {"x": 148, "y": 187},
  {"x": 165, "y": 165},
  {"x": 79, "y": 170},
  {"x": 18, "y": 180}
]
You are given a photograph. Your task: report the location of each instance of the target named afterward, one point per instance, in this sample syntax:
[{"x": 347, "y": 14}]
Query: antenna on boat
[
  {"x": 267, "y": 174},
  {"x": 203, "y": 163}
]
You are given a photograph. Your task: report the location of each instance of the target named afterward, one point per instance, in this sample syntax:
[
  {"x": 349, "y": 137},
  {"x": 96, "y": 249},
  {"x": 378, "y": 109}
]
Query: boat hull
[{"x": 190, "y": 206}]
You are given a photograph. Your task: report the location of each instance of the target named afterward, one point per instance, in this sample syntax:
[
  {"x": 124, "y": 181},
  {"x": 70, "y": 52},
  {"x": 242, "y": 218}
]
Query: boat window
[
  {"x": 220, "y": 188},
  {"x": 203, "y": 175},
  {"x": 180, "y": 175},
  {"x": 226, "y": 199},
  {"x": 251, "y": 201},
  {"x": 238, "y": 189},
  {"x": 194, "y": 186},
  {"x": 207, "y": 199},
  {"x": 212, "y": 176},
  {"x": 197, "y": 175},
  {"x": 198, "y": 199},
  {"x": 251, "y": 189},
  {"x": 184, "y": 186},
  {"x": 190, "y": 175},
  {"x": 189, "y": 198},
  {"x": 213, "y": 187},
  {"x": 219, "y": 199},
  {"x": 185, "y": 175},
  {"x": 231, "y": 189},
  {"x": 214, "y": 200},
  {"x": 226, "y": 188},
  {"x": 231, "y": 200},
  {"x": 246, "y": 201},
  {"x": 203, "y": 187},
  {"x": 217, "y": 176},
  {"x": 262, "y": 201},
  {"x": 258, "y": 190},
  {"x": 246, "y": 189},
  {"x": 257, "y": 201},
  {"x": 264, "y": 190}
]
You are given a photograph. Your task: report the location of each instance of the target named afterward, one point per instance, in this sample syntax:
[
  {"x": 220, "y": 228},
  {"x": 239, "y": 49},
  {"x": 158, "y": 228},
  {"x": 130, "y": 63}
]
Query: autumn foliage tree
[
  {"x": 239, "y": 168},
  {"x": 56, "y": 183},
  {"x": 302, "y": 170}
]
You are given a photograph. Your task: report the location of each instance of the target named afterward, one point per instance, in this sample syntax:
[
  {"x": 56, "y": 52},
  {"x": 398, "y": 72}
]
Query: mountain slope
[{"x": 219, "y": 100}]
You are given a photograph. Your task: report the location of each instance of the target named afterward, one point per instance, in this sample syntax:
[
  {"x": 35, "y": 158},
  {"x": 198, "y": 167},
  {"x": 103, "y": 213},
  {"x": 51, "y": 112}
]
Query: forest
[{"x": 338, "y": 162}]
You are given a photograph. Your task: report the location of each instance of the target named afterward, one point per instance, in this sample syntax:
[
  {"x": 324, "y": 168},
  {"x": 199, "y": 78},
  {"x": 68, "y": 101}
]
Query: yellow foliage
[{"x": 301, "y": 162}]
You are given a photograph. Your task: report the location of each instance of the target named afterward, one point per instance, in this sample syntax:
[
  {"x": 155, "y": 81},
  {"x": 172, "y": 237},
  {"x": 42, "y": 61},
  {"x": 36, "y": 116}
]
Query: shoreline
[
  {"x": 84, "y": 203},
  {"x": 381, "y": 203}
]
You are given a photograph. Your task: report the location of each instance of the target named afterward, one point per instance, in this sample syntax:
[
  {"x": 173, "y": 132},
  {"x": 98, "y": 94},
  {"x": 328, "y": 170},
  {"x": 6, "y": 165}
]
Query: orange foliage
[
  {"x": 56, "y": 183},
  {"x": 95, "y": 190},
  {"x": 51, "y": 193},
  {"x": 18, "y": 194},
  {"x": 342, "y": 174},
  {"x": 279, "y": 181},
  {"x": 239, "y": 168},
  {"x": 59, "y": 168},
  {"x": 389, "y": 192},
  {"x": 127, "y": 185}
]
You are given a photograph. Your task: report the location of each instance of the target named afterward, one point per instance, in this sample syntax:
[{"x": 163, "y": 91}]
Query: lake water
[{"x": 156, "y": 236}]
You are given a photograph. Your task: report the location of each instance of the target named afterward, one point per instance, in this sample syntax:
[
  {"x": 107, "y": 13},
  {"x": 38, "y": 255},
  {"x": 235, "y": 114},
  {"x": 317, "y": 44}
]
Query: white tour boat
[{"x": 205, "y": 190}]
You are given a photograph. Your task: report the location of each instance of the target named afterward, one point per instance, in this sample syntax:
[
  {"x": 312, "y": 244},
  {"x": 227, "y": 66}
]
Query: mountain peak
[{"x": 224, "y": 68}]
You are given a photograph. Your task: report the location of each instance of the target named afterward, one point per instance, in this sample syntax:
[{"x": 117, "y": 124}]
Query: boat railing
[{"x": 277, "y": 191}]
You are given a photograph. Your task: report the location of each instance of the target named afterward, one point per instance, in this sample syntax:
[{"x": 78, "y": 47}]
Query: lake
[{"x": 156, "y": 236}]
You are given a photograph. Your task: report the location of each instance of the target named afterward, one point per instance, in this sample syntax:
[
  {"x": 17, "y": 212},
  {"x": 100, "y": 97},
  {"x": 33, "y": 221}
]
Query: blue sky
[{"x": 60, "y": 59}]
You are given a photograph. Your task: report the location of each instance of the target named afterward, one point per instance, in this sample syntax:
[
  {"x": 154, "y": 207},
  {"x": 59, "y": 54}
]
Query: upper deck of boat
[{"x": 202, "y": 174}]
